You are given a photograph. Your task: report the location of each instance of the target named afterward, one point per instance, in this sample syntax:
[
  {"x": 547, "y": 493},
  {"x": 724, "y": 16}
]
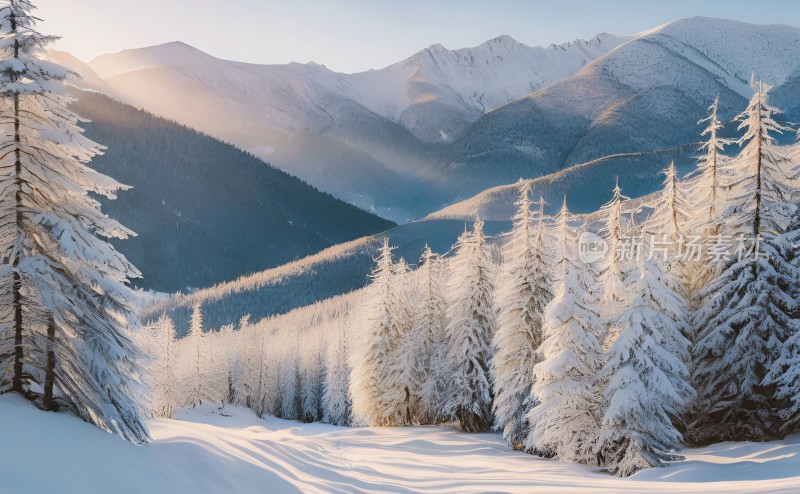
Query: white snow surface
[{"x": 206, "y": 450}]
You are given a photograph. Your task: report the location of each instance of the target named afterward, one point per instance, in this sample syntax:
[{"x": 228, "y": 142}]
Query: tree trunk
[
  {"x": 49, "y": 403},
  {"x": 18, "y": 378}
]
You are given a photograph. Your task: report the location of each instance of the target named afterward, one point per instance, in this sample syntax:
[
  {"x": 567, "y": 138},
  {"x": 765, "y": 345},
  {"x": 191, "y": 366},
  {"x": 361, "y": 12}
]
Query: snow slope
[
  {"x": 334, "y": 271},
  {"x": 586, "y": 186},
  {"x": 208, "y": 451}
]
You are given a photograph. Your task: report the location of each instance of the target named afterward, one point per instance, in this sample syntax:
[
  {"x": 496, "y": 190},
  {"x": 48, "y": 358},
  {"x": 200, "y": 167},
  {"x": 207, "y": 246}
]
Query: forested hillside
[{"x": 205, "y": 211}]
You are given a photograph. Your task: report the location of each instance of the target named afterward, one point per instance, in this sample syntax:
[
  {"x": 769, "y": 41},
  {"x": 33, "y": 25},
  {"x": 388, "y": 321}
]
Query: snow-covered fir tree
[
  {"x": 611, "y": 266},
  {"x": 747, "y": 314},
  {"x": 785, "y": 375},
  {"x": 312, "y": 380},
  {"x": 707, "y": 193},
  {"x": 470, "y": 331},
  {"x": 429, "y": 325},
  {"x": 672, "y": 211},
  {"x": 163, "y": 368},
  {"x": 564, "y": 423},
  {"x": 64, "y": 295},
  {"x": 289, "y": 382},
  {"x": 193, "y": 361},
  {"x": 379, "y": 340},
  {"x": 707, "y": 188},
  {"x": 646, "y": 385},
  {"x": 522, "y": 295},
  {"x": 336, "y": 401},
  {"x": 399, "y": 397},
  {"x": 666, "y": 237},
  {"x": 238, "y": 356},
  {"x": 785, "y": 371}
]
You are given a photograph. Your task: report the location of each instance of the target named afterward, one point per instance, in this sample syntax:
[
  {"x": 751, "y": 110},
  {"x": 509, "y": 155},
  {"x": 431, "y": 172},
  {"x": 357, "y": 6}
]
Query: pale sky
[{"x": 355, "y": 35}]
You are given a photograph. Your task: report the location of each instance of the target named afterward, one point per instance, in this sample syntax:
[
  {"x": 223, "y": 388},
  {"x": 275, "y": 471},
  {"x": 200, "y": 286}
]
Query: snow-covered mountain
[
  {"x": 367, "y": 138},
  {"x": 443, "y": 124},
  {"x": 457, "y": 85},
  {"x": 437, "y": 92},
  {"x": 645, "y": 95}
]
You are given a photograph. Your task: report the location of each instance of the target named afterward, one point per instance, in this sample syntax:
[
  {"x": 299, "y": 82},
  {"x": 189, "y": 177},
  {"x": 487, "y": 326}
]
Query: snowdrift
[{"x": 211, "y": 451}]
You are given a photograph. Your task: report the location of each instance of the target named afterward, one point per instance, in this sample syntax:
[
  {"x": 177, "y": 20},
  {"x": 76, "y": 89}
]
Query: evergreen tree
[
  {"x": 399, "y": 397},
  {"x": 238, "y": 374},
  {"x": 564, "y": 423},
  {"x": 64, "y": 294},
  {"x": 163, "y": 369},
  {"x": 785, "y": 371},
  {"x": 708, "y": 193},
  {"x": 612, "y": 269},
  {"x": 706, "y": 188},
  {"x": 667, "y": 226},
  {"x": 193, "y": 361},
  {"x": 647, "y": 387},
  {"x": 289, "y": 383},
  {"x": 336, "y": 400},
  {"x": 260, "y": 373},
  {"x": 370, "y": 364},
  {"x": 522, "y": 297},
  {"x": 311, "y": 380},
  {"x": 470, "y": 331},
  {"x": 747, "y": 314},
  {"x": 785, "y": 375},
  {"x": 429, "y": 325}
]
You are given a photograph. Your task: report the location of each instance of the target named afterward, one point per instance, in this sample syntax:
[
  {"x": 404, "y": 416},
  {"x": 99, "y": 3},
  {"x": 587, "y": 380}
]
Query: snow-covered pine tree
[
  {"x": 706, "y": 187},
  {"x": 672, "y": 211},
  {"x": 665, "y": 229},
  {"x": 646, "y": 385},
  {"x": 379, "y": 337},
  {"x": 163, "y": 369},
  {"x": 564, "y": 423},
  {"x": 311, "y": 379},
  {"x": 192, "y": 355},
  {"x": 64, "y": 294},
  {"x": 611, "y": 266},
  {"x": 747, "y": 314},
  {"x": 271, "y": 374},
  {"x": 785, "y": 372},
  {"x": 470, "y": 331},
  {"x": 258, "y": 369},
  {"x": 524, "y": 292},
  {"x": 336, "y": 401},
  {"x": 429, "y": 325},
  {"x": 238, "y": 356},
  {"x": 785, "y": 375},
  {"x": 219, "y": 349},
  {"x": 289, "y": 382},
  {"x": 708, "y": 199},
  {"x": 399, "y": 397}
]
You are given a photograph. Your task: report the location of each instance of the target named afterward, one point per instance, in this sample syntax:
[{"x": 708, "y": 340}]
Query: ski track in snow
[{"x": 233, "y": 451}]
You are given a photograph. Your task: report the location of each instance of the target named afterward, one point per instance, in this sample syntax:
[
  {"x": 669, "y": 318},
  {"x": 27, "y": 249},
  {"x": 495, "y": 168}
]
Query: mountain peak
[
  {"x": 503, "y": 39},
  {"x": 170, "y": 53},
  {"x": 436, "y": 48}
]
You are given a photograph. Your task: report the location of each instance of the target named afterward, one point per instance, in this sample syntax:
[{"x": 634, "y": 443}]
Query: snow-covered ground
[{"x": 209, "y": 451}]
